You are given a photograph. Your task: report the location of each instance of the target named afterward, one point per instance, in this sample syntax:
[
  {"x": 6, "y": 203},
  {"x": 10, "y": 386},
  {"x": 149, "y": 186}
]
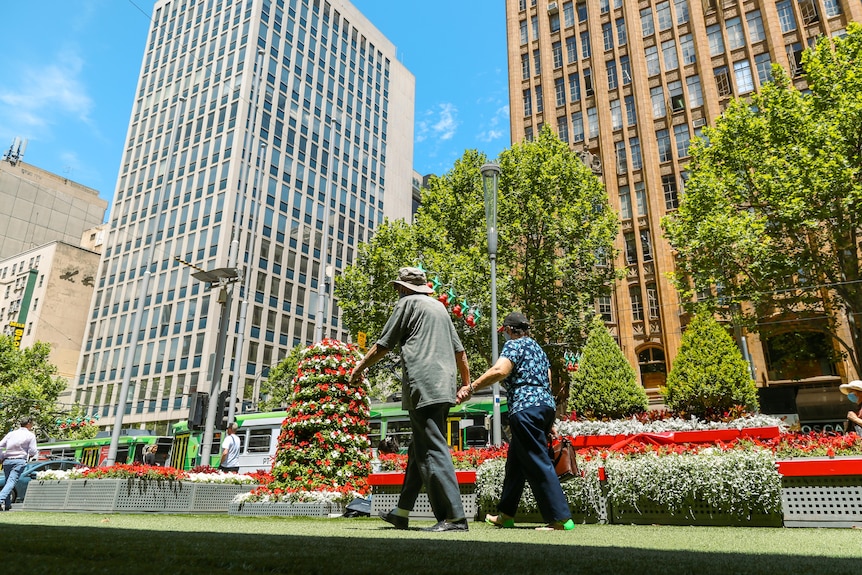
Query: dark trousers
[
  {"x": 429, "y": 463},
  {"x": 528, "y": 461}
]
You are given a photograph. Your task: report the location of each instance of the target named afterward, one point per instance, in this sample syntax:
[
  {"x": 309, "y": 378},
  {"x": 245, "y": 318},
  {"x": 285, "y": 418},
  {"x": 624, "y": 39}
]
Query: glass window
[
  {"x": 540, "y": 102},
  {"x": 659, "y": 110},
  {"x": 572, "y": 49},
  {"x": 722, "y": 81},
  {"x": 808, "y": 12},
  {"x": 554, "y": 22},
  {"x": 604, "y": 6},
  {"x": 735, "y": 37},
  {"x": 631, "y": 250},
  {"x": 683, "y": 139},
  {"x": 608, "y": 36},
  {"x": 612, "y": 74},
  {"x": 631, "y": 112},
  {"x": 744, "y": 79},
  {"x": 756, "y": 33},
  {"x": 686, "y": 44},
  {"x": 677, "y": 100},
  {"x": 577, "y": 127},
  {"x": 647, "y": 24},
  {"x": 523, "y": 32},
  {"x": 622, "y": 163},
  {"x": 535, "y": 22},
  {"x": 574, "y": 87},
  {"x": 582, "y": 11},
  {"x": 662, "y": 13},
  {"x": 641, "y": 198},
  {"x": 568, "y": 14},
  {"x": 637, "y": 158},
  {"x": 563, "y": 128},
  {"x": 528, "y": 103},
  {"x": 653, "y": 66},
  {"x": 668, "y": 186},
  {"x": 763, "y": 63},
  {"x": 560, "y": 91},
  {"x": 585, "y": 44},
  {"x": 646, "y": 245},
  {"x": 593, "y": 121},
  {"x": 695, "y": 92},
  {"x": 626, "y": 70},
  {"x": 785, "y": 16},
  {"x": 636, "y": 298},
  {"x": 616, "y": 115},
  {"x": 625, "y": 203},
  {"x": 681, "y": 9},
  {"x": 794, "y": 56},
  {"x": 259, "y": 440},
  {"x": 605, "y": 308},
  {"x": 525, "y": 66},
  {"x": 665, "y": 153},
  {"x": 622, "y": 37},
  {"x": 832, "y": 7},
  {"x": 716, "y": 42},
  {"x": 537, "y": 62},
  {"x": 671, "y": 60},
  {"x": 588, "y": 82},
  {"x": 557, "y": 54},
  {"x": 652, "y": 299}
]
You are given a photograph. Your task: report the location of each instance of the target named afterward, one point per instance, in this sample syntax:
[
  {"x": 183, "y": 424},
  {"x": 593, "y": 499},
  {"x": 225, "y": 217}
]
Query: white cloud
[
  {"x": 440, "y": 124},
  {"x": 42, "y": 93},
  {"x": 490, "y": 130}
]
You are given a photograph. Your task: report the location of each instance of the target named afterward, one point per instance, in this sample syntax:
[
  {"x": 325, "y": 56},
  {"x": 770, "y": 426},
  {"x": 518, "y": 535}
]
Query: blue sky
[{"x": 70, "y": 69}]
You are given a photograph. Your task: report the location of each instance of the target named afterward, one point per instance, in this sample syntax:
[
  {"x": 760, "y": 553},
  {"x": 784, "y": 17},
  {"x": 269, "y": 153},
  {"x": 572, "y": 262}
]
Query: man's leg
[
  {"x": 435, "y": 462},
  {"x": 12, "y": 469}
]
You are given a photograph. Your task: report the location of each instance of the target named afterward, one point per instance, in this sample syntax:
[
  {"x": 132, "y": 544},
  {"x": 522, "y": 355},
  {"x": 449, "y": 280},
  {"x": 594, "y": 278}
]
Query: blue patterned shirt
[{"x": 528, "y": 384}]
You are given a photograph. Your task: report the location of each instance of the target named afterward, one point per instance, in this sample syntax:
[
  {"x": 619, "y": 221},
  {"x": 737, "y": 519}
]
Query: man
[
  {"x": 431, "y": 353},
  {"x": 19, "y": 446},
  {"x": 230, "y": 450}
]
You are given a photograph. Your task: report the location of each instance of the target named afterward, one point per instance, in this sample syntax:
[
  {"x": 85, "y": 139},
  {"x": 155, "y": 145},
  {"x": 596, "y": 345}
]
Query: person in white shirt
[
  {"x": 17, "y": 447},
  {"x": 230, "y": 450}
]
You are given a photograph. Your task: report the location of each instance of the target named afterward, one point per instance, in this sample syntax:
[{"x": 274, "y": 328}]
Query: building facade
[
  {"x": 43, "y": 297},
  {"x": 277, "y": 130},
  {"x": 41, "y": 207},
  {"x": 629, "y": 83}
]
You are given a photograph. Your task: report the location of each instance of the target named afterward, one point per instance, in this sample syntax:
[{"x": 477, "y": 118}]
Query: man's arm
[
  {"x": 463, "y": 367},
  {"x": 375, "y": 354}
]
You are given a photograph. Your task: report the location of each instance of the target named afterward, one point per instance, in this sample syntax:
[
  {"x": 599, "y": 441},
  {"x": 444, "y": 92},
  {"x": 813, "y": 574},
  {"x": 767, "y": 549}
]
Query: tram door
[{"x": 453, "y": 433}]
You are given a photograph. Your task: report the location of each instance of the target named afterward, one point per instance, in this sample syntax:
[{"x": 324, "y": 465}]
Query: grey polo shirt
[{"x": 421, "y": 326}]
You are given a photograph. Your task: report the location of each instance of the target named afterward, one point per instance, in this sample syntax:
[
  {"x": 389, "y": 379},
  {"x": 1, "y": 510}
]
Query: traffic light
[
  {"x": 198, "y": 410},
  {"x": 222, "y": 409}
]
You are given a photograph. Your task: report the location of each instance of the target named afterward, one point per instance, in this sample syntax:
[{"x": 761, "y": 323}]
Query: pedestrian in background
[
  {"x": 230, "y": 450},
  {"x": 532, "y": 411},
  {"x": 432, "y": 356},
  {"x": 17, "y": 447}
]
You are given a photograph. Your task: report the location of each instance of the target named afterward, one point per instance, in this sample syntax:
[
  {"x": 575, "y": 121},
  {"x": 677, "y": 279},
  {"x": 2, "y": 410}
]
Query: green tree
[
  {"x": 605, "y": 385},
  {"x": 709, "y": 376},
  {"x": 770, "y": 219},
  {"x": 556, "y": 233},
  {"x": 277, "y": 387},
  {"x": 28, "y": 386}
]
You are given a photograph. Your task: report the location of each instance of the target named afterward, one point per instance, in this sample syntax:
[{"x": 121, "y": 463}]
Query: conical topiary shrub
[
  {"x": 709, "y": 376},
  {"x": 324, "y": 443},
  {"x": 605, "y": 385}
]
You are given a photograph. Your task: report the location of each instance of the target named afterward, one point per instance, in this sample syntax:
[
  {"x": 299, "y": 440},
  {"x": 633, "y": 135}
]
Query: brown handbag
[{"x": 563, "y": 456}]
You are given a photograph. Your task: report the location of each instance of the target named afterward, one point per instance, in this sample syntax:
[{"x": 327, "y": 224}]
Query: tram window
[
  {"x": 374, "y": 433},
  {"x": 259, "y": 440},
  {"x": 401, "y": 431},
  {"x": 122, "y": 455}
]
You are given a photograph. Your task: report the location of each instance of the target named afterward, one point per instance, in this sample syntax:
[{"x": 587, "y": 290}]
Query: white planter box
[
  {"x": 131, "y": 496},
  {"x": 282, "y": 509}
]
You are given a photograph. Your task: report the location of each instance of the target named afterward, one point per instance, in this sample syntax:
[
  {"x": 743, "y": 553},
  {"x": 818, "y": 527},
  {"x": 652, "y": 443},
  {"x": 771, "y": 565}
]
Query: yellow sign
[
  {"x": 19, "y": 332},
  {"x": 361, "y": 340}
]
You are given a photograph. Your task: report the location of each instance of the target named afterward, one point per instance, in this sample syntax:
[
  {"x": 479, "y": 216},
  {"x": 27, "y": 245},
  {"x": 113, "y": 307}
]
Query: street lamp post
[{"x": 490, "y": 183}]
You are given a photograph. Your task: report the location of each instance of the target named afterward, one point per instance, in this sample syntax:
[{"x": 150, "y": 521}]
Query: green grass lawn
[{"x": 68, "y": 543}]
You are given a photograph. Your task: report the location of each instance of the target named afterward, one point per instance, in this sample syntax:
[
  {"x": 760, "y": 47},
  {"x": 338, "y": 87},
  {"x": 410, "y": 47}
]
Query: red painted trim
[
  {"x": 819, "y": 466},
  {"x": 397, "y": 478},
  {"x": 707, "y": 436}
]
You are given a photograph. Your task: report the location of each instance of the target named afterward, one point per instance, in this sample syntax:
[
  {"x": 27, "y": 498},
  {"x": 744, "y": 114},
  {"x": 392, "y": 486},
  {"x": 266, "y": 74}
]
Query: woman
[
  {"x": 853, "y": 391},
  {"x": 526, "y": 371}
]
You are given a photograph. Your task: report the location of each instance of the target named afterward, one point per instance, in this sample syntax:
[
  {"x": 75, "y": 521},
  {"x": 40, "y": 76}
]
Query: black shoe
[
  {"x": 459, "y": 525},
  {"x": 396, "y": 521}
]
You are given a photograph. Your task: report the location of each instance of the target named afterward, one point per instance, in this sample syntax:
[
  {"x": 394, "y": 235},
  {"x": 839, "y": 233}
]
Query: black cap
[{"x": 517, "y": 320}]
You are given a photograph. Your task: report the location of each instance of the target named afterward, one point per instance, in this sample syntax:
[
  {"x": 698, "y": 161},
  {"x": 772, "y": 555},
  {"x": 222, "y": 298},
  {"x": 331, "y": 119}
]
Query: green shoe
[{"x": 497, "y": 521}]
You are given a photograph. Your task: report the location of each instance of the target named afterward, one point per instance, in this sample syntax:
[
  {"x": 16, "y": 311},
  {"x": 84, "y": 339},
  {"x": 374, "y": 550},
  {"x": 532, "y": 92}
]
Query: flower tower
[{"x": 324, "y": 443}]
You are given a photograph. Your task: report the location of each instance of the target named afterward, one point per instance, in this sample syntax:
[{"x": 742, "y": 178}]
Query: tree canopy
[
  {"x": 556, "y": 232},
  {"x": 770, "y": 215},
  {"x": 28, "y": 386}
]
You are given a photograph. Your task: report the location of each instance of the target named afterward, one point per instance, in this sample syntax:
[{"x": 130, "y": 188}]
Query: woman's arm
[{"x": 497, "y": 372}]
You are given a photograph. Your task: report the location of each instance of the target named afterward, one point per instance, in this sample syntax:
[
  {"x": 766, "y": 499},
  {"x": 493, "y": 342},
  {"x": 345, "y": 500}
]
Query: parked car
[{"x": 30, "y": 472}]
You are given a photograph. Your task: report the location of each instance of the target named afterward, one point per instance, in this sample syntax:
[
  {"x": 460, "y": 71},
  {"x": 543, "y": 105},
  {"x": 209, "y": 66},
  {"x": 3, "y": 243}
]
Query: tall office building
[
  {"x": 284, "y": 127},
  {"x": 629, "y": 83}
]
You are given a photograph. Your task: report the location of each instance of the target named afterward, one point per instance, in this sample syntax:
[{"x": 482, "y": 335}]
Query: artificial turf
[{"x": 69, "y": 543}]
